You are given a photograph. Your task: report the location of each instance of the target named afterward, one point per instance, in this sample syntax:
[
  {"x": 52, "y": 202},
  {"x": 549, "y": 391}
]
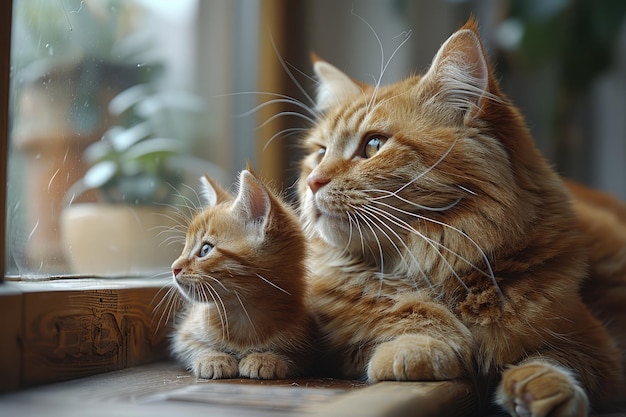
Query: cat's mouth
[
  {"x": 323, "y": 212},
  {"x": 194, "y": 292}
]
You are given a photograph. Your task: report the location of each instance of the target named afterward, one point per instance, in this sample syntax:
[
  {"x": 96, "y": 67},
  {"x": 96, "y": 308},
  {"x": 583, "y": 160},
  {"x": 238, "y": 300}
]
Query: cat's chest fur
[{"x": 231, "y": 332}]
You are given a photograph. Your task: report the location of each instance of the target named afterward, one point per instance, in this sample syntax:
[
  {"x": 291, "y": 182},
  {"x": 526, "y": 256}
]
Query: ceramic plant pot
[{"x": 114, "y": 240}]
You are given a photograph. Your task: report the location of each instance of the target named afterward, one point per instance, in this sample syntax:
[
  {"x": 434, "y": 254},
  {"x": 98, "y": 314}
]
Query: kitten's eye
[
  {"x": 204, "y": 250},
  {"x": 320, "y": 155},
  {"x": 373, "y": 145}
]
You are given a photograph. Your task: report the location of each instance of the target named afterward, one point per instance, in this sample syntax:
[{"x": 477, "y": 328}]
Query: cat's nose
[
  {"x": 176, "y": 271},
  {"x": 315, "y": 181}
]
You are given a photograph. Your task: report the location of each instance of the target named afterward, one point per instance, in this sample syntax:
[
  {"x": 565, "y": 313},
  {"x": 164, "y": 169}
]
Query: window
[
  {"x": 73, "y": 98},
  {"x": 101, "y": 135},
  {"x": 107, "y": 107}
]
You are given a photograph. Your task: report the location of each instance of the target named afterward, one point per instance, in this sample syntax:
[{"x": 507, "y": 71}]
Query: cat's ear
[
  {"x": 334, "y": 86},
  {"x": 460, "y": 71},
  {"x": 211, "y": 192},
  {"x": 253, "y": 200}
]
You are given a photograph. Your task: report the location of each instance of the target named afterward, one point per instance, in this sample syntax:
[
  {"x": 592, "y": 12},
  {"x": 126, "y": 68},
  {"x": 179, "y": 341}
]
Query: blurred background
[{"x": 126, "y": 102}]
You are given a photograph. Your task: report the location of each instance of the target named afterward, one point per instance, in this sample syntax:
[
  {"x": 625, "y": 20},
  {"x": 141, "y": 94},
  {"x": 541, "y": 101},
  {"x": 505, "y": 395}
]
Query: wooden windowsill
[
  {"x": 65, "y": 329},
  {"x": 165, "y": 389},
  {"x": 62, "y": 329}
]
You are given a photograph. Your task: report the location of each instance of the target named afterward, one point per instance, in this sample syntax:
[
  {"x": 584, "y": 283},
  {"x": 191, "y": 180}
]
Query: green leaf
[
  {"x": 125, "y": 138},
  {"x": 100, "y": 174},
  {"x": 153, "y": 146},
  {"x": 128, "y": 98}
]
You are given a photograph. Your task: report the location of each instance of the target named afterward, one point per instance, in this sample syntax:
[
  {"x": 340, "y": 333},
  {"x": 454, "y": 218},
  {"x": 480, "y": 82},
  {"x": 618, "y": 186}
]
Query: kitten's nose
[
  {"x": 176, "y": 271},
  {"x": 315, "y": 181}
]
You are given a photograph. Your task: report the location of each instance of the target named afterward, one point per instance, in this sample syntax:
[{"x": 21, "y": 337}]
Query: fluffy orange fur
[
  {"x": 242, "y": 273},
  {"x": 445, "y": 246}
]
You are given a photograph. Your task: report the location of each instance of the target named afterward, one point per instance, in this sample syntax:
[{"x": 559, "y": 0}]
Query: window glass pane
[{"x": 101, "y": 135}]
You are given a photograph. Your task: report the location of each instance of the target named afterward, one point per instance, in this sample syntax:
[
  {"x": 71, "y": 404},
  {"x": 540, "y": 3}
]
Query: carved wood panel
[{"x": 75, "y": 333}]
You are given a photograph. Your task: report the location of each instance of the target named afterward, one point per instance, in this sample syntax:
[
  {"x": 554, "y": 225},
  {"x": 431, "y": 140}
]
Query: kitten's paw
[
  {"x": 264, "y": 365},
  {"x": 538, "y": 389},
  {"x": 215, "y": 365},
  {"x": 413, "y": 357}
]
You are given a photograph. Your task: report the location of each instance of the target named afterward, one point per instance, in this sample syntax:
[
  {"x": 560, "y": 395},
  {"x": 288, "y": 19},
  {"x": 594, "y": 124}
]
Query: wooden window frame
[{"x": 67, "y": 328}]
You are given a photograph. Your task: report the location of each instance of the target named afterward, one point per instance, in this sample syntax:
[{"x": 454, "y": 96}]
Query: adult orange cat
[
  {"x": 242, "y": 274},
  {"x": 446, "y": 247}
]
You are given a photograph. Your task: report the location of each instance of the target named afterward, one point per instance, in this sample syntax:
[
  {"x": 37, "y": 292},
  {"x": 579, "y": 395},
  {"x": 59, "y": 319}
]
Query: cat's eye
[
  {"x": 320, "y": 155},
  {"x": 373, "y": 145},
  {"x": 204, "y": 250}
]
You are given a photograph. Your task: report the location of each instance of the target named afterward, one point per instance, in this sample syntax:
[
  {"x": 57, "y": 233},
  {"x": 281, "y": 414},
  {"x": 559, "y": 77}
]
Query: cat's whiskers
[
  {"x": 370, "y": 112},
  {"x": 175, "y": 215},
  {"x": 217, "y": 302},
  {"x": 351, "y": 221},
  {"x": 290, "y": 74},
  {"x": 308, "y": 112},
  {"x": 392, "y": 194},
  {"x": 245, "y": 311},
  {"x": 194, "y": 205},
  {"x": 430, "y": 168},
  {"x": 285, "y": 133},
  {"x": 282, "y": 98},
  {"x": 272, "y": 284},
  {"x": 433, "y": 244},
  {"x": 175, "y": 234},
  {"x": 287, "y": 113},
  {"x": 383, "y": 65},
  {"x": 488, "y": 273},
  {"x": 168, "y": 305},
  {"x": 372, "y": 216},
  {"x": 375, "y": 212},
  {"x": 375, "y": 236},
  {"x": 362, "y": 238},
  {"x": 171, "y": 240}
]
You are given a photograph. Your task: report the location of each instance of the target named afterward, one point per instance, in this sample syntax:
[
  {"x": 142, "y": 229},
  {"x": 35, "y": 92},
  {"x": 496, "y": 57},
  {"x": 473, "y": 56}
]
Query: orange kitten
[
  {"x": 446, "y": 247},
  {"x": 242, "y": 273}
]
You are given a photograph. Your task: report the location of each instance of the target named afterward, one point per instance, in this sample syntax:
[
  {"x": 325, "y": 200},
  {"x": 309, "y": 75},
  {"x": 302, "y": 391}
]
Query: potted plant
[
  {"x": 137, "y": 169},
  {"x": 68, "y": 60}
]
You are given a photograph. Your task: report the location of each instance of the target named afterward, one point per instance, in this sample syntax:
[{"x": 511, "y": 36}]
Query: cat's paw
[
  {"x": 264, "y": 365},
  {"x": 413, "y": 357},
  {"x": 215, "y": 365},
  {"x": 538, "y": 389}
]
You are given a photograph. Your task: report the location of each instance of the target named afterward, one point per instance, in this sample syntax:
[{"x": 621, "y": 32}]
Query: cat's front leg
[
  {"x": 213, "y": 364},
  {"x": 412, "y": 357},
  {"x": 265, "y": 365},
  {"x": 421, "y": 341},
  {"x": 538, "y": 388}
]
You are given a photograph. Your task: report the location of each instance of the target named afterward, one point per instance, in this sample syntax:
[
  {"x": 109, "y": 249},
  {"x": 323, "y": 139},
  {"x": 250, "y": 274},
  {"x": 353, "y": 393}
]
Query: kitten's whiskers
[
  {"x": 272, "y": 284},
  {"x": 245, "y": 311},
  {"x": 168, "y": 305},
  {"x": 217, "y": 301}
]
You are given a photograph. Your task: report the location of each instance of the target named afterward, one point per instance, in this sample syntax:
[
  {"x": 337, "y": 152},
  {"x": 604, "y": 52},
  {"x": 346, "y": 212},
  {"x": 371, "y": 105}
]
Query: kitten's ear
[
  {"x": 334, "y": 86},
  {"x": 461, "y": 72},
  {"x": 211, "y": 192},
  {"x": 253, "y": 200}
]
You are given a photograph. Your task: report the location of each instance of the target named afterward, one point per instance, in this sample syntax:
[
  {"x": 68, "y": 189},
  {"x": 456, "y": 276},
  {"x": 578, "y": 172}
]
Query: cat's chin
[{"x": 335, "y": 231}]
